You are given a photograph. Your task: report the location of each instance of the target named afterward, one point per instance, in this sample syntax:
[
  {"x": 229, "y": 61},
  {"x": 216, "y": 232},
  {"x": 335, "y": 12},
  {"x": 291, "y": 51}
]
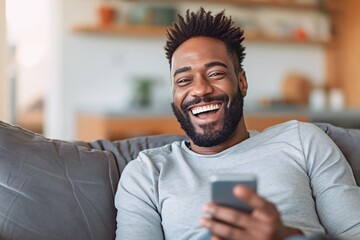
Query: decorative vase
[{"x": 106, "y": 14}]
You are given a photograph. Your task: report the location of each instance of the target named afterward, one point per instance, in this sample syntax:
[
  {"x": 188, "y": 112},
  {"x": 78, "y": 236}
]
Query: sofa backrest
[{"x": 348, "y": 141}]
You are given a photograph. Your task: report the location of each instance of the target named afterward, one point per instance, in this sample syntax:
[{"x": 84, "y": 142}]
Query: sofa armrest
[{"x": 51, "y": 189}]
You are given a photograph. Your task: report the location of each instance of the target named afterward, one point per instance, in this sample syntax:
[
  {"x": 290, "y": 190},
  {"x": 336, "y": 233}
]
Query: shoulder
[
  {"x": 296, "y": 133},
  {"x": 158, "y": 153},
  {"x": 293, "y": 125},
  {"x": 153, "y": 158},
  {"x": 295, "y": 128},
  {"x": 310, "y": 138}
]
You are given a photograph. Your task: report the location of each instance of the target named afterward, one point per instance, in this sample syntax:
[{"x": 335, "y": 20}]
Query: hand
[{"x": 263, "y": 223}]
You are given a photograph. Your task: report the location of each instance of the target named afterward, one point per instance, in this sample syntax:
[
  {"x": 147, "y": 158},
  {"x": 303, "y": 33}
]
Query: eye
[
  {"x": 216, "y": 74},
  {"x": 183, "y": 82}
]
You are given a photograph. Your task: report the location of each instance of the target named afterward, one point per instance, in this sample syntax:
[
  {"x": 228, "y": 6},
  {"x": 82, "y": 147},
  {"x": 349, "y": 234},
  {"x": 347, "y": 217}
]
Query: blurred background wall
[
  {"x": 4, "y": 109},
  {"x": 65, "y": 61}
]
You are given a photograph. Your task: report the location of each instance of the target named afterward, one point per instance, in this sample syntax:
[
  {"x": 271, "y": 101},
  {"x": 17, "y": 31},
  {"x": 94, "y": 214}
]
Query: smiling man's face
[{"x": 207, "y": 91}]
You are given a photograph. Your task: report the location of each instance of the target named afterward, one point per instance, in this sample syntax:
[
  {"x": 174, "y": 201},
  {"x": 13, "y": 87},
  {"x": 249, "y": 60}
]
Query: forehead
[{"x": 199, "y": 50}]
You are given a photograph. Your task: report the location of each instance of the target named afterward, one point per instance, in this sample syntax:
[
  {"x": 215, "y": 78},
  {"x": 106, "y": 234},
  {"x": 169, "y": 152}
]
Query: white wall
[
  {"x": 96, "y": 71},
  {"x": 28, "y": 37},
  {"x": 54, "y": 99},
  {"x": 267, "y": 65},
  {"x": 4, "y": 98},
  {"x": 28, "y": 25}
]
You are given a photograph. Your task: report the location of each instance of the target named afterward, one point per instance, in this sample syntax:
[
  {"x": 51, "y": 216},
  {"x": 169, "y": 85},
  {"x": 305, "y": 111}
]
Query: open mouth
[{"x": 204, "y": 111}]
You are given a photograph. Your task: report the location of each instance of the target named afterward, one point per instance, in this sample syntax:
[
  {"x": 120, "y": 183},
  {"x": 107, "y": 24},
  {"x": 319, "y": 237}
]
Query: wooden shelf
[
  {"x": 159, "y": 31},
  {"x": 274, "y": 39},
  {"x": 274, "y": 3},
  {"x": 123, "y": 29},
  {"x": 141, "y": 30},
  {"x": 255, "y": 3}
]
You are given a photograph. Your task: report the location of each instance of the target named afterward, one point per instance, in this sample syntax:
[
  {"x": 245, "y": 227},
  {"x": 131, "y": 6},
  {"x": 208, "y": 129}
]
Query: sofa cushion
[
  {"x": 126, "y": 150},
  {"x": 52, "y": 189},
  {"x": 348, "y": 140}
]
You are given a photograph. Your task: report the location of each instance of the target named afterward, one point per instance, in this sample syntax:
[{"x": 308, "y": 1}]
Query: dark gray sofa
[{"x": 52, "y": 189}]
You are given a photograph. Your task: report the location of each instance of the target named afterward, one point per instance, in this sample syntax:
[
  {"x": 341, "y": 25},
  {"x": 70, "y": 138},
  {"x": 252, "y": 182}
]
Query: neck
[{"x": 239, "y": 135}]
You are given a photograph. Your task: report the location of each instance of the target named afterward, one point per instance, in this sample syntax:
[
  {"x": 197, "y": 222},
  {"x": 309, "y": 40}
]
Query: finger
[
  {"x": 215, "y": 237},
  {"x": 223, "y": 231},
  {"x": 256, "y": 223},
  {"x": 264, "y": 212},
  {"x": 227, "y": 215},
  {"x": 261, "y": 206},
  {"x": 247, "y": 195}
]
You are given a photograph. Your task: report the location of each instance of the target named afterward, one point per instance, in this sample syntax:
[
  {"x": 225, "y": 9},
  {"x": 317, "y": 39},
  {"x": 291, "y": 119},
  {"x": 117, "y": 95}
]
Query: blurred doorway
[
  {"x": 28, "y": 50},
  {"x": 4, "y": 101}
]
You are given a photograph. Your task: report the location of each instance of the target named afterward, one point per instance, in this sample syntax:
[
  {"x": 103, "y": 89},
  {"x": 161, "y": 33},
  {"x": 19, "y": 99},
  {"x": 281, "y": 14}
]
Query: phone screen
[{"x": 222, "y": 190}]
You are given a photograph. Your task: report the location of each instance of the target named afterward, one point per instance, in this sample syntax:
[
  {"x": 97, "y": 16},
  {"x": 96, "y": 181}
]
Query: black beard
[{"x": 212, "y": 137}]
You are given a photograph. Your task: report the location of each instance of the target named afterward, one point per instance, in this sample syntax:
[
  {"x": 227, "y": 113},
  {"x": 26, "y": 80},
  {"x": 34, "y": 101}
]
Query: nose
[{"x": 200, "y": 87}]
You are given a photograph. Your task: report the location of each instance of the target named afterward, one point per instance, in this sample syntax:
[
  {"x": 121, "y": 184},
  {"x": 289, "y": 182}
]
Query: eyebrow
[
  {"x": 212, "y": 64},
  {"x": 208, "y": 65},
  {"x": 180, "y": 70}
]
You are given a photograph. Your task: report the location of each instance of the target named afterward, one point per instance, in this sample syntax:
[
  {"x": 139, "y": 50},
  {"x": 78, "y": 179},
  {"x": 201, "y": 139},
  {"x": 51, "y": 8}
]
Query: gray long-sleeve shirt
[{"x": 298, "y": 168}]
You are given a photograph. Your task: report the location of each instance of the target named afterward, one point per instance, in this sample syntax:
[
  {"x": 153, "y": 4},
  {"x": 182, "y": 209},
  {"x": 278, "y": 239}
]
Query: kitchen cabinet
[
  {"x": 113, "y": 127},
  {"x": 33, "y": 120},
  {"x": 91, "y": 126},
  {"x": 343, "y": 52},
  {"x": 344, "y": 65},
  {"x": 102, "y": 126}
]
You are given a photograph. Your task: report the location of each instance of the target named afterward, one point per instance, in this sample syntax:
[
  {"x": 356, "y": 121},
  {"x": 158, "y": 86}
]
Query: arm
[
  {"x": 325, "y": 174},
  {"x": 135, "y": 200},
  {"x": 332, "y": 182},
  {"x": 263, "y": 223}
]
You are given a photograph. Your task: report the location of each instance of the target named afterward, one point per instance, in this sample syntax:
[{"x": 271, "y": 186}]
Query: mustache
[{"x": 205, "y": 99}]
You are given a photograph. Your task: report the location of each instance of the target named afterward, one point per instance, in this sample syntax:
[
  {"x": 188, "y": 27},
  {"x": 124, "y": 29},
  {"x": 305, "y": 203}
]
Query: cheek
[
  {"x": 229, "y": 88},
  {"x": 178, "y": 97}
]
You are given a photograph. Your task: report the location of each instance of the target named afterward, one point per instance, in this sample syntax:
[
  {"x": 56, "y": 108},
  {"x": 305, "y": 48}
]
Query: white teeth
[{"x": 207, "y": 108}]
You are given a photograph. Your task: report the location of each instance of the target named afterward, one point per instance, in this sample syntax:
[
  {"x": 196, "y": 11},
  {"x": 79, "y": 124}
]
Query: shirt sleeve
[
  {"x": 332, "y": 182},
  {"x": 136, "y": 203}
]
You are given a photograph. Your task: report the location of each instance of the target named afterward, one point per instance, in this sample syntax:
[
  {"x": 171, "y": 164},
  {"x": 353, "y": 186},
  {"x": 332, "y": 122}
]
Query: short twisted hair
[{"x": 202, "y": 23}]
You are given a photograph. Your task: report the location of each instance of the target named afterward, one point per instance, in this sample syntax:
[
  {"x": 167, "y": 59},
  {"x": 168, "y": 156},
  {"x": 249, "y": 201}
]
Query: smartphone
[{"x": 222, "y": 190}]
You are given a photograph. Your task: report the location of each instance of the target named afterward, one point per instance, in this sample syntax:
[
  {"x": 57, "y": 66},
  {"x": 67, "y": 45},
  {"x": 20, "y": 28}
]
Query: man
[{"x": 305, "y": 185}]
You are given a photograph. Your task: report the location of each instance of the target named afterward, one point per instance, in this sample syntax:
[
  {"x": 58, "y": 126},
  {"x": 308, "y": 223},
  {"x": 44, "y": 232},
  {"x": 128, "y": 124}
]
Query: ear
[{"x": 243, "y": 85}]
